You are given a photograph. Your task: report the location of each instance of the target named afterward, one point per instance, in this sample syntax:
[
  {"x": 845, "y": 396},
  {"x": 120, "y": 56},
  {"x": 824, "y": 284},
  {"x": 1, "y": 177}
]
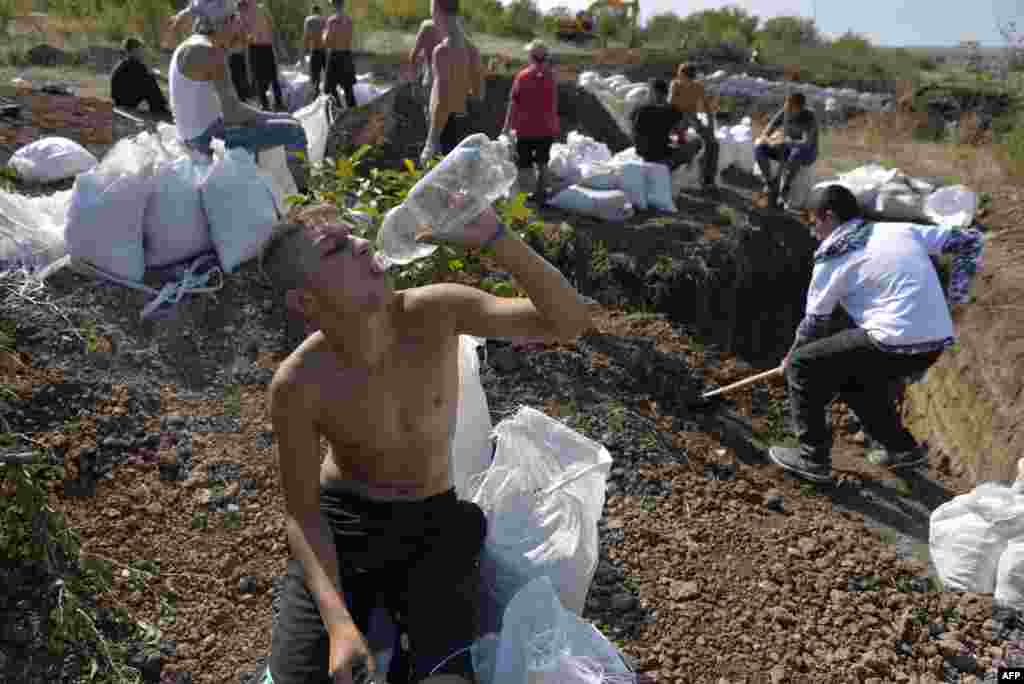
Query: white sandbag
[
  {"x": 898, "y": 202},
  {"x": 367, "y": 92},
  {"x": 687, "y": 176},
  {"x": 32, "y": 229},
  {"x": 1010, "y": 575},
  {"x": 51, "y": 159},
  {"x": 954, "y": 205},
  {"x": 174, "y": 223},
  {"x": 314, "y": 122},
  {"x": 274, "y": 162},
  {"x": 104, "y": 223},
  {"x": 634, "y": 184},
  {"x": 638, "y": 95},
  {"x": 600, "y": 176},
  {"x": 659, "y": 188},
  {"x": 967, "y": 536},
  {"x": 543, "y": 496},
  {"x": 609, "y": 205},
  {"x": 543, "y": 643},
  {"x": 168, "y": 134},
  {"x": 239, "y": 201},
  {"x": 471, "y": 445}
]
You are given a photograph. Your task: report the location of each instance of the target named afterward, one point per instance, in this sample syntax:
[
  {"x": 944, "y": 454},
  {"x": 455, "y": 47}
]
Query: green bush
[{"x": 1013, "y": 144}]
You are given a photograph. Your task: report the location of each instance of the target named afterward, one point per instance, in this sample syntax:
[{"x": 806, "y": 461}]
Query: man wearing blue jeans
[
  {"x": 882, "y": 275},
  {"x": 203, "y": 98},
  {"x": 798, "y": 148}
]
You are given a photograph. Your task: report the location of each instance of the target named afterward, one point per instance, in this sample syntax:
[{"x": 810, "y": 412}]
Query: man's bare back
[
  {"x": 385, "y": 440},
  {"x": 458, "y": 74},
  {"x": 313, "y": 32},
  {"x": 338, "y": 32}
]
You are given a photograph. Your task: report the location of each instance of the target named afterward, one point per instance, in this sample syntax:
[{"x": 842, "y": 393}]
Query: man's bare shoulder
[
  {"x": 294, "y": 385},
  {"x": 196, "y": 60}
]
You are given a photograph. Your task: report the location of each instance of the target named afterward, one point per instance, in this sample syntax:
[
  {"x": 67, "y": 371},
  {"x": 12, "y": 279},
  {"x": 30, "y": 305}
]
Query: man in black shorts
[
  {"x": 262, "y": 58},
  {"x": 313, "y": 45},
  {"x": 375, "y": 523},
  {"x": 533, "y": 115},
  {"x": 341, "y": 70}
]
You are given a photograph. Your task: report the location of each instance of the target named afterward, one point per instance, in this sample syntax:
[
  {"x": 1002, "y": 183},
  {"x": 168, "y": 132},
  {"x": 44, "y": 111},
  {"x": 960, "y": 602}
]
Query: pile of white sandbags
[
  {"x": 976, "y": 542},
  {"x": 893, "y": 195}
]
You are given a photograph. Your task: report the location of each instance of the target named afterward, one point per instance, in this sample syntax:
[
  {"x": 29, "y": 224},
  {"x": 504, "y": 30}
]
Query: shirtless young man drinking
[
  {"x": 377, "y": 523},
  {"x": 458, "y": 73},
  {"x": 341, "y": 69},
  {"x": 262, "y": 59},
  {"x": 313, "y": 45}
]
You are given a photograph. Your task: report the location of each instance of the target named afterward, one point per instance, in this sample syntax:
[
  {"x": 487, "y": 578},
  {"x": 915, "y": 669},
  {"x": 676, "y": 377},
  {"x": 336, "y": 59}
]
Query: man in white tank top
[{"x": 203, "y": 98}]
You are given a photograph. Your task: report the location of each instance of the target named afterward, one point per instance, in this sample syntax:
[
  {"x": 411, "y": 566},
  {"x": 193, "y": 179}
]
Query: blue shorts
[{"x": 284, "y": 131}]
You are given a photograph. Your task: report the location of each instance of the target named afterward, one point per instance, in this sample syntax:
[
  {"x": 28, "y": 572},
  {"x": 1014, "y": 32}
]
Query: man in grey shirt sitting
[{"x": 797, "y": 148}]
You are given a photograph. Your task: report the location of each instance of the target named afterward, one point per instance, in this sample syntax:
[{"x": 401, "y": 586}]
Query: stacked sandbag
[{"x": 52, "y": 159}]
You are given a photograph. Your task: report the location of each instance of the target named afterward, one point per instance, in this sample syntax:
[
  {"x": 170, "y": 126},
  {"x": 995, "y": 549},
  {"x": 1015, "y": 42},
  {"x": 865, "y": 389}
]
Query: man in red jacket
[{"x": 533, "y": 114}]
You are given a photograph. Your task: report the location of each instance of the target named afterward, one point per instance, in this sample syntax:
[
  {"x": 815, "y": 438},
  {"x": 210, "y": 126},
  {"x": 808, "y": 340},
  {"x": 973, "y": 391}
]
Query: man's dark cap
[{"x": 835, "y": 198}]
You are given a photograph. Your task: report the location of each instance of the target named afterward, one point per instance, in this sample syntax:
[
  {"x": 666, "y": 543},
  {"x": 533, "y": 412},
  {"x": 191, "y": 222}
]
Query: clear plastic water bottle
[{"x": 456, "y": 191}]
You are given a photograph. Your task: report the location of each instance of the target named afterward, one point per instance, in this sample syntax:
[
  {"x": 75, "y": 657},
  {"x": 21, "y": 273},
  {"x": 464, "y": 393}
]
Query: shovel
[{"x": 712, "y": 399}]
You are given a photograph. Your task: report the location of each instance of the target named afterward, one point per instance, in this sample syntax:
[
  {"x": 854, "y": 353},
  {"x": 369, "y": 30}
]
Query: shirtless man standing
[
  {"x": 377, "y": 524},
  {"x": 341, "y": 70},
  {"x": 458, "y": 73},
  {"x": 262, "y": 60},
  {"x": 420, "y": 57},
  {"x": 313, "y": 45}
]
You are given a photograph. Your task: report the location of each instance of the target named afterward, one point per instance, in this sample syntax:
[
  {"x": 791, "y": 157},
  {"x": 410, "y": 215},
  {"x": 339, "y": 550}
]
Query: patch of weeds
[
  {"x": 232, "y": 520},
  {"x": 727, "y": 216},
  {"x": 984, "y": 200},
  {"x": 8, "y": 178},
  {"x": 871, "y": 583},
  {"x": 919, "y": 615},
  {"x": 599, "y": 264},
  {"x": 887, "y": 536},
  {"x": 808, "y": 489},
  {"x": 200, "y": 520},
  {"x": 168, "y": 612},
  {"x": 951, "y": 615},
  {"x": 217, "y": 488},
  {"x": 776, "y": 432},
  {"x": 617, "y": 418},
  {"x": 90, "y": 333},
  {"x": 233, "y": 401},
  {"x": 8, "y": 328},
  {"x": 903, "y": 488}
]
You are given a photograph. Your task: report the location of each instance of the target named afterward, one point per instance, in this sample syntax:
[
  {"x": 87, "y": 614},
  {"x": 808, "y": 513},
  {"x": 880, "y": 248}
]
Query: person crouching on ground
[
  {"x": 203, "y": 99},
  {"x": 533, "y": 115},
  {"x": 688, "y": 96},
  {"x": 799, "y": 147},
  {"x": 458, "y": 75},
  {"x": 378, "y": 524},
  {"x": 132, "y": 82},
  {"x": 653, "y": 125},
  {"x": 882, "y": 275}
]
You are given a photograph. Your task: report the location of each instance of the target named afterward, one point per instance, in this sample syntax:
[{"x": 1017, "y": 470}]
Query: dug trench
[{"x": 712, "y": 564}]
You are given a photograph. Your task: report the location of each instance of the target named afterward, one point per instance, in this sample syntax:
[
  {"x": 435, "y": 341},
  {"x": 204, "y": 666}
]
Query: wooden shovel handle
[{"x": 743, "y": 383}]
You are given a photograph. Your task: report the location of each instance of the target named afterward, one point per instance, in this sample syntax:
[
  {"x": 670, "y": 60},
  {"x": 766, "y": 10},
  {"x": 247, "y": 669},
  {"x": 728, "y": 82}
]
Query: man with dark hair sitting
[
  {"x": 798, "y": 148},
  {"x": 375, "y": 524},
  {"x": 882, "y": 275},
  {"x": 133, "y": 83},
  {"x": 653, "y": 124}
]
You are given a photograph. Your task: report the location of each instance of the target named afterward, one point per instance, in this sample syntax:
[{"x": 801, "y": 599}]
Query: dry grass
[{"x": 888, "y": 139}]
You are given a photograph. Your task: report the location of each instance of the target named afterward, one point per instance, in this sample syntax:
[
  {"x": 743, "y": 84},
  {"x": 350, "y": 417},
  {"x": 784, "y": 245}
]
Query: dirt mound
[{"x": 395, "y": 123}]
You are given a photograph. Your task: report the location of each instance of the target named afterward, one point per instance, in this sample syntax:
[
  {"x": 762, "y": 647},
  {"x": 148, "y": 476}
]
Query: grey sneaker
[
  {"x": 898, "y": 460},
  {"x": 793, "y": 460}
]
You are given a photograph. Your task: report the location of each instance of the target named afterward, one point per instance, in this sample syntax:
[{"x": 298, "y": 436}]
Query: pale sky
[{"x": 886, "y": 22}]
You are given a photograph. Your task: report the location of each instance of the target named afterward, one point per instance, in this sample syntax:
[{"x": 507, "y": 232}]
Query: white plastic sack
[
  {"x": 634, "y": 184},
  {"x": 543, "y": 496},
  {"x": 104, "y": 223},
  {"x": 314, "y": 121},
  {"x": 967, "y": 536},
  {"x": 32, "y": 229},
  {"x": 898, "y": 202},
  {"x": 638, "y": 94},
  {"x": 658, "y": 182},
  {"x": 51, "y": 159},
  {"x": 174, "y": 223},
  {"x": 955, "y": 205},
  {"x": 609, "y": 205},
  {"x": 367, "y": 92},
  {"x": 274, "y": 162},
  {"x": 543, "y": 643},
  {"x": 1010, "y": 574},
  {"x": 471, "y": 446},
  {"x": 239, "y": 201},
  {"x": 601, "y": 176}
]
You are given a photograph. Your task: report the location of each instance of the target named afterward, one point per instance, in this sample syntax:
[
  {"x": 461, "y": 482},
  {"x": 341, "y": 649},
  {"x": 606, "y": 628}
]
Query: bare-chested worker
[
  {"x": 262, "y": 59},
  {"x": 341, "y": 69},
  {"x": 458, "y": 73},
  {"x": 313, "y": 46},
  {"x": 420, "y": 57},
  {"x": 378, "y": 524},
  {"x": 203, "y": 99}
]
